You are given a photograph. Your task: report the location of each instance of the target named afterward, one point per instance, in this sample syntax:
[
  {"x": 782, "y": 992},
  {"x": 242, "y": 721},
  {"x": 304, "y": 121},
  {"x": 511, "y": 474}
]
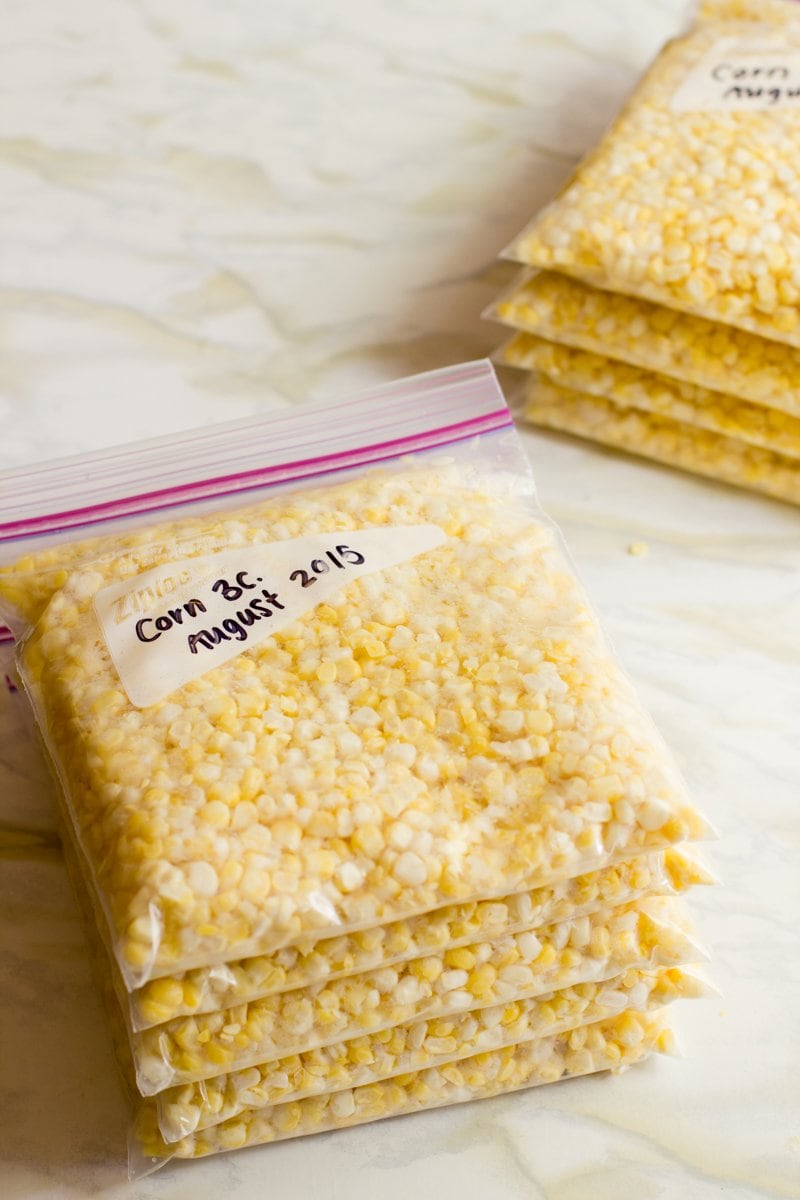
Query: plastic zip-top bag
[
  {"x": 638, "y": 431},
  {"x": 611, "y": 1045},
  {"x": 650, "y": 336},
  {"x": 418, "y": 1046},
  {"x": 631, "y": 935},
  {"x": 289, "y": 691},
  {"x": 651, "y": 933},
  {"x": 209, "y": 989},
  {"x": 690, "y": 200},
  {"x": 353, "y": 788},
  {"x": 633, "y": 387}
]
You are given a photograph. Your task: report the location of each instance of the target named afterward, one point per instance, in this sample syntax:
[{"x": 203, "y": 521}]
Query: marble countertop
[{"x": 209, "y": 209}]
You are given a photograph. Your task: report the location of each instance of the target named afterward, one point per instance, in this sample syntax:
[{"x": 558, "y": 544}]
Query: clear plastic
[
  {"x": 416, "y": 1047},
  {"x": 450, "y": 728},
  {"x": 717, "y": 357},
  {"x": 691, "y": 199},
  {"x": 200, "y": 991},
  {"x": 631, "y": 387},
  {"x": 651, "y": 933},
  {"x": 667, "y": 441},
  {"x": 445, "y": 933},
  {"x": 612, "y": 1045},
  {"x": 370, "y": 1058}
]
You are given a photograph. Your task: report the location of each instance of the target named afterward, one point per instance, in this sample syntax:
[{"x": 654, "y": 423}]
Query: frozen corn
[
  {"x": 404, "y": 1048},
  {"x": 365, "y": 818},
  {"x": 631, "y": 387},
  {"x": 691, "y": 349},
  {"x": 607, "y": 1045},
  {"x": 660, "y": 438},
  {"x": 225, "y": 1106},
  {"x": 200, "y": 991},
  {"x": 451, "y": 728},
  {"x": 587, "y": 949},
  {"x": 692, "y": 199}
]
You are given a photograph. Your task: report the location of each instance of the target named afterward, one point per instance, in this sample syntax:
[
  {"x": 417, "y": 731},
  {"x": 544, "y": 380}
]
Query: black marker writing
[
  {"x": 235, "y": 627},
  {"x": 173, "y": 616}
]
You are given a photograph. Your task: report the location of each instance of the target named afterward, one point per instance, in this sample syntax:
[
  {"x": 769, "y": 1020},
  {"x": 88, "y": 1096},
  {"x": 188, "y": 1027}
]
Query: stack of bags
[
  {"x": 421, "y": 847},
  {"x": 659, "y": 308},
  {"x": 464, "y": 1002}
]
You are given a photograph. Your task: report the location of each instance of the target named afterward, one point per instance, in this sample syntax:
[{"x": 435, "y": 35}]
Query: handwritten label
[
  {"x": 177, "y": 621},
  {"x": 739, "y": 76}
]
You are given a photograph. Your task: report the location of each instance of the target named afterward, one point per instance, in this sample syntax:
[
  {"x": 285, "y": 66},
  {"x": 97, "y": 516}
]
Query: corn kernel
[{"x": 462, "y": 958}]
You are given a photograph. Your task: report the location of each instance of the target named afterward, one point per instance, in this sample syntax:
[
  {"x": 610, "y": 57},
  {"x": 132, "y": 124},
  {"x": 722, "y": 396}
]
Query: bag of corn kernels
[
  {"x": 650, "y": 336},
  {"x": 612, "y": 1045},
  {"x": 211, "y": 989},
  {"x": 632, "y": 387},
  {"x": 318, "y": 671},
  {"x": 664, "y": 439},
  {"x": 692, "y": 199}
]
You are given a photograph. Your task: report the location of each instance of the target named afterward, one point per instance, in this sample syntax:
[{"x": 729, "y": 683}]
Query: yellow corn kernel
[
  {"x": 220, "y": 1056},
  {"x": 428, "y": 968},
  {"x": 511, "y": 1014},
  {"x": 362, "y": 1054},
  {"x": 462, "y": 957},
  {"x": 368, "y": 839},
  {"x": 600, "y": 942},
  {"x": 547, "y": 956},
  {"x": 482, "y": 980}
]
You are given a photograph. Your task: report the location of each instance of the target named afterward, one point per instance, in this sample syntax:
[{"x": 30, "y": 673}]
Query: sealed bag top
[
  {"x": 693, "y": 197},
  {"x": 337, "y": 705}
]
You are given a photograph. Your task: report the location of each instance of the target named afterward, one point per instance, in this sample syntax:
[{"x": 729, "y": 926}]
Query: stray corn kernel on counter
[{"x": 362, "y": 812}]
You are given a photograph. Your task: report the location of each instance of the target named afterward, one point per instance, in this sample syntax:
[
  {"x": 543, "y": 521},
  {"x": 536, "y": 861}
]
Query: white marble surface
[{"x": 209, "y": 209}]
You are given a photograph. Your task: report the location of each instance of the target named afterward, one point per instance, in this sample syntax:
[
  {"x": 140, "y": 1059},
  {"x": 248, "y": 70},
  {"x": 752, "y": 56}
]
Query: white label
[
  {"x": 177, "y": 621},
  {"x": 739, "y": 76}
]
